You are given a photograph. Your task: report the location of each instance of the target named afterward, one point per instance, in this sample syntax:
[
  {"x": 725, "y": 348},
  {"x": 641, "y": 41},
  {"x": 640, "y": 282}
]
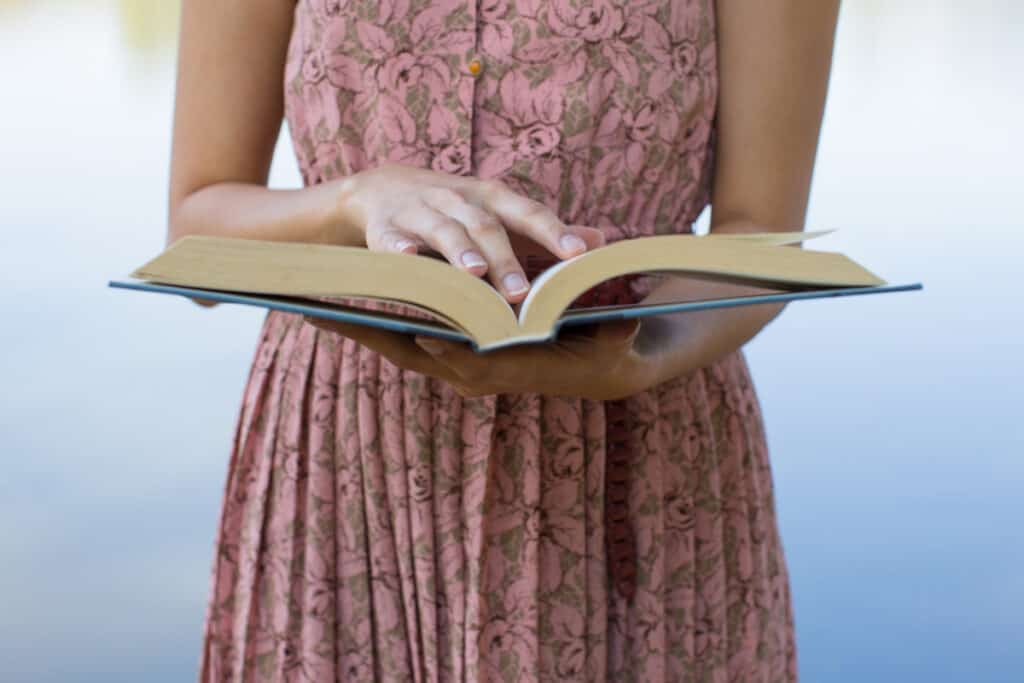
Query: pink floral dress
[{"x": 378, "y": 527}]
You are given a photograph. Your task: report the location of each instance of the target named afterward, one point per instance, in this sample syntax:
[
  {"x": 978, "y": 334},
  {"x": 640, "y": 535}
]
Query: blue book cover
[{"x": 570, "y": 318}]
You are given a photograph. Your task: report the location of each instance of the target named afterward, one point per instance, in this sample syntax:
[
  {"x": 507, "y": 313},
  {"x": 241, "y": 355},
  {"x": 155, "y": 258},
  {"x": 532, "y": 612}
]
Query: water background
[{"x": 895, "y": 422}]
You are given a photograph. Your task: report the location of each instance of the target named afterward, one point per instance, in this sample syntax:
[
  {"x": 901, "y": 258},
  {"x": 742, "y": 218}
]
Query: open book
[{"x": 295, "y": 277}]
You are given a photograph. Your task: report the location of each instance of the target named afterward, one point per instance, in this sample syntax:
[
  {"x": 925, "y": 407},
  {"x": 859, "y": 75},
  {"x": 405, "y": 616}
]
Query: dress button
[{"x": 475, "y": 66}]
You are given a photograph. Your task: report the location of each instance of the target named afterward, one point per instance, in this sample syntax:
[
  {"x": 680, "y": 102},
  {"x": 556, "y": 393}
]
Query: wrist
[
  {"x": 338, "y": 214},
  {"x": 661, "y": 350}
]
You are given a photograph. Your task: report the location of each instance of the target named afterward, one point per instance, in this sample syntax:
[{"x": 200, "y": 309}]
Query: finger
[
  {"x": 434, "y": 346},
  {"x": 513, "y": 370},
  {"x": 594, "y": 237},
  {"x": 469, "y": 367},
  {"x": 458, "y": 360},
  {"x": 609, "y": 334},
  {"x": 389, "y": 238},
  {"x": 532, "y": 219},
  {"x": 445, "y": 234},
  {"x": 503, "y": 268},
  {"x": 397, "y": 348},
  {"x": 617, "y": 332},
  {"x": 383, "y": 341}
]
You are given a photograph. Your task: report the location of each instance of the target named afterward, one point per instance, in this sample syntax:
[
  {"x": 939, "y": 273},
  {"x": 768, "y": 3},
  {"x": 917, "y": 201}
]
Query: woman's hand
[
  {"x": 611, "y": 362},
  {"x": 404, "y": 208}
]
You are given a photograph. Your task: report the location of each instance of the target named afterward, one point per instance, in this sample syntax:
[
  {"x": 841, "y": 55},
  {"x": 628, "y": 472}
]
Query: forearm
[
  {"x": 251, "y": 211},
  {"x": 229, "y": 104},
  {"x": 774, "y": 59},
  {"x": 683, "y": 342}
]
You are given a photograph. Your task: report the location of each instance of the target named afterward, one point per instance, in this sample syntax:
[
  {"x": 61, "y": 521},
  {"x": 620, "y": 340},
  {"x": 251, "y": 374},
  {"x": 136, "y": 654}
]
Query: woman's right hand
[{"x": 468, "y": 220}]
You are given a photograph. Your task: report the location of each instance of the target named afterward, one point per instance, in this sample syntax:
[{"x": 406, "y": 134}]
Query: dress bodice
[{"x": 601, "y": 109}]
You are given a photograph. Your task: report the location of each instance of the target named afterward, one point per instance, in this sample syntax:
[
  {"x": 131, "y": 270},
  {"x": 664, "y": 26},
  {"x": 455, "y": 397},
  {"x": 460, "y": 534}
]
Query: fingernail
[
  {"x": 404, "y": 245},
  {"x": 572, "y": 243},
  {"x": 515, "y": 283},
  {"x": 471, "y": 259}
]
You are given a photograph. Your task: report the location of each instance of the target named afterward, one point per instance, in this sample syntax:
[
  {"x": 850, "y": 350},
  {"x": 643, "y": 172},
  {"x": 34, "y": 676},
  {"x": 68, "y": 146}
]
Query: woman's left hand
[{"x": 605, "y": 365}]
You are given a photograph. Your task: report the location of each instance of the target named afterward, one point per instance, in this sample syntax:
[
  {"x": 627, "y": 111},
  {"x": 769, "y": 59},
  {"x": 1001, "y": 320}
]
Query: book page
[
  {"x": 318, "y": 270},
  {"x": 701, "y": 256}
]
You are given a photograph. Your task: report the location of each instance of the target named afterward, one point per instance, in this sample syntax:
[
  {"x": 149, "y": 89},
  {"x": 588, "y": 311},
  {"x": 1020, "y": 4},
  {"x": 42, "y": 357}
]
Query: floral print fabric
[{"x": 378, "y": 527}]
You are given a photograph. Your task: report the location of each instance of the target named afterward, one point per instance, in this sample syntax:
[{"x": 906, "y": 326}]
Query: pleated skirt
[{"x": 376, "y": 526}]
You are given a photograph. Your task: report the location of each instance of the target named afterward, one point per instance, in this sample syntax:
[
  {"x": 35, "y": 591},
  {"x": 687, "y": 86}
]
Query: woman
[{"x": 599, "y": 509}]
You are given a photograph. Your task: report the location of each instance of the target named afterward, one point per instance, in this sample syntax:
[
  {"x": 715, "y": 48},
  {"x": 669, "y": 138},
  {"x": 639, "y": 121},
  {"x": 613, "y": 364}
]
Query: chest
[
  {"x": 539, "y": 60},
  {"x": 526, "y": 90}
]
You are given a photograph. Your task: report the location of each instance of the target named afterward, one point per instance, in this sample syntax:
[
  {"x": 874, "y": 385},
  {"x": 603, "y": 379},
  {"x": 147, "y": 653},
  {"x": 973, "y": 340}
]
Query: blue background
[{"x": 894, "y": 422}]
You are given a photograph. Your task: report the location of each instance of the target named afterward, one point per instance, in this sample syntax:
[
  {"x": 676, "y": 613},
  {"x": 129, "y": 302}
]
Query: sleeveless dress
[{"x": 378, "y": 527}]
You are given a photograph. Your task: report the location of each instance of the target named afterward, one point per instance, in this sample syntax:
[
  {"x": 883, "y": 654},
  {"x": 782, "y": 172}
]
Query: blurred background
[{"x": 895, "y": 422}]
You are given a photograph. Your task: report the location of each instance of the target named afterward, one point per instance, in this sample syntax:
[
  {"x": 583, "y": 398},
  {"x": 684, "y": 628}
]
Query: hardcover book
[{"x": 453, "y": 304}]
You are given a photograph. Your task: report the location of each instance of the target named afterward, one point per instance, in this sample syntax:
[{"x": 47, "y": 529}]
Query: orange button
[{"x": 475, "y": 66}]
